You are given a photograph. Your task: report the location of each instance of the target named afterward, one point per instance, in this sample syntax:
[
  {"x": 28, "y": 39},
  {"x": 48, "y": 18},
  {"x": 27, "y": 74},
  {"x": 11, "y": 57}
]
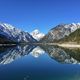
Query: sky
[{"x": 28, "y": 15}]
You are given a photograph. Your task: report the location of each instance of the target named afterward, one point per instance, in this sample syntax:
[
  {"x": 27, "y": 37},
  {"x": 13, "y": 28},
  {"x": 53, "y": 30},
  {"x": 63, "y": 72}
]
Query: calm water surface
[{"x": 31, "y": 62}]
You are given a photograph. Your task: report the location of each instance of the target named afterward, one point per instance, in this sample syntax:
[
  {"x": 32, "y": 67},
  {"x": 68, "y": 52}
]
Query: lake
[{"x": 30, "y": 62}]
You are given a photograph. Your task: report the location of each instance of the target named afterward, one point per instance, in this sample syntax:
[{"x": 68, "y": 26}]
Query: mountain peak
[
  {"x": 37, "y": 34},
  {"x": 6, "y": 25},
  {"x": 36, "y": 31}
]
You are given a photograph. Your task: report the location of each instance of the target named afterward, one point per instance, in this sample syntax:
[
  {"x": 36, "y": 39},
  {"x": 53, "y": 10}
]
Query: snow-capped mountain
[
  {"x": 37, "y": 34},
  {"x": 60, "y": 31},
  {"x": 14, "y": 34}
]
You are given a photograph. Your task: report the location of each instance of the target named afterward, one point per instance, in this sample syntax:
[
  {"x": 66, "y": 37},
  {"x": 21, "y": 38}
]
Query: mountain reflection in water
[
  {"x": 30, "y": 62},
  {"x": 61, "y": 55},
  {"x": 9, "y": 54}
]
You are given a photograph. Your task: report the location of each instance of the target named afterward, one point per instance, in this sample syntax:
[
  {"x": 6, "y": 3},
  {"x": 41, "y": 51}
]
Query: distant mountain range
[
  {"x": 37, "y": 34},
  {"x": 60, "y": 33}
]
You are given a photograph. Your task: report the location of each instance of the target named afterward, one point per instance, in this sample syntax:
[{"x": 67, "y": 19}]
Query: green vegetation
[{"x": 73, "y": 37}]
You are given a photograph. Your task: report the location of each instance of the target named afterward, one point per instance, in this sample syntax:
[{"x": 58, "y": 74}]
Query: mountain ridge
[
  {"x": 15, "y": 35},
  {"x": 59, "y": 32}
]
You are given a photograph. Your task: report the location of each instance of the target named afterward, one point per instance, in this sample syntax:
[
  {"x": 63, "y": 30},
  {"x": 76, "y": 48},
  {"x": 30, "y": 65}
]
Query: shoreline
[
  {"x": 7, "y": 45},
  {"x": 69, "y": 45},
  {"x": 66, "y": 45}
]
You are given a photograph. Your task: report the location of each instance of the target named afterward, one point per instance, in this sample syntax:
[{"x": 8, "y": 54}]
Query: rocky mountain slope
[
  {"x": 59, "y": 32},
  {"x": 73, "y": 37},
  {"x": 12, "y": 34}
]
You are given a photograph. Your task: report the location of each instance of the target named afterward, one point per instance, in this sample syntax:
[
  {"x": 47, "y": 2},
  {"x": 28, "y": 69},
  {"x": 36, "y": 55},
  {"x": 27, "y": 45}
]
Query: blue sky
[{"x": 39, "y": 14}]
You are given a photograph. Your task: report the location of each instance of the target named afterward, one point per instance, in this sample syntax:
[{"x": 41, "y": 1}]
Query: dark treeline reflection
[{"x": 61, "y": 55}]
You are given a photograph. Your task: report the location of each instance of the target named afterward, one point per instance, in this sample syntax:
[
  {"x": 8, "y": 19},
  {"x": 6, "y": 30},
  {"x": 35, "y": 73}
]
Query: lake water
[{"x": 32, "y": 62}]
